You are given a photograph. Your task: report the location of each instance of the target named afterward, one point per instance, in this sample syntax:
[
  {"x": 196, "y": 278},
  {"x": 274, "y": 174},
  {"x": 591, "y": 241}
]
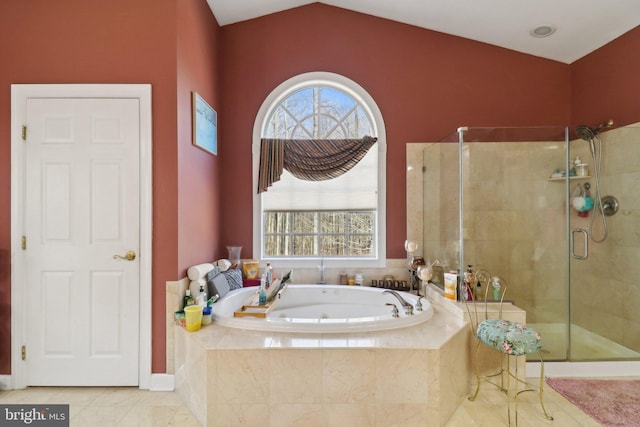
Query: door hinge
[
  {"x": 24, "y": 243},
  {"x": 24, "y": 133},
  {"x": 24, "y": 352}
]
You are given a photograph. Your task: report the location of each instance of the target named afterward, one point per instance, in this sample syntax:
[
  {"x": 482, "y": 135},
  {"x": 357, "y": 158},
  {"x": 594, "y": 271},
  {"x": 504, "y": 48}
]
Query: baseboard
[
  {"x": 162, "y": 382},
  {"x": 5, "y": 382},
  {"x": 585, "y": 369},
  {"x": 159, "y": 382}
]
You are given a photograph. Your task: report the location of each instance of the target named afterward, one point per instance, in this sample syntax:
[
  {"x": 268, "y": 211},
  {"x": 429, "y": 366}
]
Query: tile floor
[
  {"x": 124, "y": 406},
  {"x": 109, "y": 406}
]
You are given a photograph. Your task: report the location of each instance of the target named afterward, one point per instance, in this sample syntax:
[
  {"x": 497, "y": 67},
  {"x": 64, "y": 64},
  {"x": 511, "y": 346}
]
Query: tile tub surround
[
  {"x": 175, "y": 290},
  {"x": 412, "y": 376}
]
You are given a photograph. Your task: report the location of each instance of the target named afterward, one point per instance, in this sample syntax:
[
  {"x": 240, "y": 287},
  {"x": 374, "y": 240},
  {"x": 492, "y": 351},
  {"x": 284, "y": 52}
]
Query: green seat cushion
[{"x": 512, "y": 338}]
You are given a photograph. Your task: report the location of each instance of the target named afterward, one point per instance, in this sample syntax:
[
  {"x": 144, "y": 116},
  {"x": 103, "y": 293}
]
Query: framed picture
[{"x": 205, "y": 125}]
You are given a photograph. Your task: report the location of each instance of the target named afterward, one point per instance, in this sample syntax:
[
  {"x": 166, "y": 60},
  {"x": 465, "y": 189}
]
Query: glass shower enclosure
[{"x": 516, "y": 202}]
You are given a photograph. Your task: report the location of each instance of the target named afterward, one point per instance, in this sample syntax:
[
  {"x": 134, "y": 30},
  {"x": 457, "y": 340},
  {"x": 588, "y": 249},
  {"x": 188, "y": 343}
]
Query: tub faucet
[
  {"x": 408, "y": 308},
  {"x": 321, "y": 268}
]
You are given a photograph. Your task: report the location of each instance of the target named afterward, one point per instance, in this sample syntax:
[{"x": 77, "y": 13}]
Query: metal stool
[{"x": 510, "y": 339}]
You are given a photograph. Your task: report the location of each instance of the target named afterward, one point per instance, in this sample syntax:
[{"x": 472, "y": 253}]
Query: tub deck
[{"x": 416, "y": 375}]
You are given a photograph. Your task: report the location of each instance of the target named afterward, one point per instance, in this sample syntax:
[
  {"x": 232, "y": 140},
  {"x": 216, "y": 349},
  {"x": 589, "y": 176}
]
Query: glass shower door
[
  {"x": 514, "y": 221},
  {"x": 605, "y": 250}
]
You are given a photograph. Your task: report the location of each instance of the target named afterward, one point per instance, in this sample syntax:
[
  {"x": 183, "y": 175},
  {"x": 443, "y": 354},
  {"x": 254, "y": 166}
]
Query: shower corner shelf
[{"x": 571, "y": 178}]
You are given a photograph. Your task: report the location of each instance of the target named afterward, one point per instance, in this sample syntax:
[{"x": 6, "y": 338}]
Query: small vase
[{"x": 234, "y": 255}]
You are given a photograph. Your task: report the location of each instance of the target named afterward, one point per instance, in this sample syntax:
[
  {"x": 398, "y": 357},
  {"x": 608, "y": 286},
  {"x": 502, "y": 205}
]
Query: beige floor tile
[{"x": 129, "y": 406}]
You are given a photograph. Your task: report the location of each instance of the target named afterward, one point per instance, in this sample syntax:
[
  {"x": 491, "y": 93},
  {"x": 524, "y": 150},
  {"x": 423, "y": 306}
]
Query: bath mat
[{"x": 610, "y": 402}]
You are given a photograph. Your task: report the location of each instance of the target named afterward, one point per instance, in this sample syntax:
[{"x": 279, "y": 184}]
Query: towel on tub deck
[
  {"x": 199, "y": 271},
  {"x": 234, "y": 278},
  {"x": 217, "y": 283}
]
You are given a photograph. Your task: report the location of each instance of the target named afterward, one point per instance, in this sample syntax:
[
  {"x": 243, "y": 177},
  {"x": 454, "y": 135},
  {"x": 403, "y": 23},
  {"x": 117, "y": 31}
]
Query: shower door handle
[{"x": 586, "y": 243}]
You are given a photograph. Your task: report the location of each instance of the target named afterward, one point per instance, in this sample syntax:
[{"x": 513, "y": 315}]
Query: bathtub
[{"x": 323, "y": 309}]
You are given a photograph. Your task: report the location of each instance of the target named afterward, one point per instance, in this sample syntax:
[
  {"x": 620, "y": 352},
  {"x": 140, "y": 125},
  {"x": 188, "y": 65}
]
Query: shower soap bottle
[
  {"x": 496, "y": 289},
  {"x": 467, "y": 292}
]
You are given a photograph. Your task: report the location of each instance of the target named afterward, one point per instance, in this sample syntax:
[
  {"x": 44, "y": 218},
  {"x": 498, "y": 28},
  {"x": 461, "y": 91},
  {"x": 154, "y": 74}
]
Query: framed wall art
[{"x": 205, "y": 125}]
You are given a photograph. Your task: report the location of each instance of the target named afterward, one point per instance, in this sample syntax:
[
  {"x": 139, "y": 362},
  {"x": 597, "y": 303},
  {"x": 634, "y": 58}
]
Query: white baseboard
[
  {"x": 585, "y": 369},
  {"x": 162, "y": 382},
  {"x": 5, "y": 382},
  {"x": 159, "y": 382}
]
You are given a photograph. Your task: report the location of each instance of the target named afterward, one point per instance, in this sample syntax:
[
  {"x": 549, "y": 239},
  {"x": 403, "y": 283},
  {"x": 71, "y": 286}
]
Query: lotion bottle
[{"x": 188, "y": 299}]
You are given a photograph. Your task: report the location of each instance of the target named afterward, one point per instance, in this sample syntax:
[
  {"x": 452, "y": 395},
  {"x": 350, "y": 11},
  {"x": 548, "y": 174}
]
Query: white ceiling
[{"x": 582, "y": 25}]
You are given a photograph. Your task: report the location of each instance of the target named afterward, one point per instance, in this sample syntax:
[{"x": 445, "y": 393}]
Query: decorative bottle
[
  {"x": 269, "y": 275},
  {"x": 262, "y": 296},
  {"x": 467, "y": 294}
]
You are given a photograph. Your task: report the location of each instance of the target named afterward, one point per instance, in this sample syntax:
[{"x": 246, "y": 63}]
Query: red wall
[
  {"x": 171, "y": 44},
  {"x": 199, "y": 172},
  {"x": 606, "y": 83},
  {"x": 426, "y": 84}
]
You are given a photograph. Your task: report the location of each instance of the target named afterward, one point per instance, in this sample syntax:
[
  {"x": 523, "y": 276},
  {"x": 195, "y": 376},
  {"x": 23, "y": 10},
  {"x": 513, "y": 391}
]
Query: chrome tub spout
[{"x": 408, "y": 308}]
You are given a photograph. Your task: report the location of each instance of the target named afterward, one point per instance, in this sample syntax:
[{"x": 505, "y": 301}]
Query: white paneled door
[{"x": 81, "y": 220}]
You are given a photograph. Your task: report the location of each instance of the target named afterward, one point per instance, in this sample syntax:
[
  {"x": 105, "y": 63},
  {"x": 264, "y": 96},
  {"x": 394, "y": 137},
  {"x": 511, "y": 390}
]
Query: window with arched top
[{"x": 319, "y": 169}]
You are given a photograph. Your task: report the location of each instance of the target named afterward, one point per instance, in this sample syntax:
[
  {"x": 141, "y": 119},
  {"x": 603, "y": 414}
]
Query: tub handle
[
  {"x": 394, "y": 311},
  {"x": 418, "y": 305},
  {"x": 586, "y": 243}
]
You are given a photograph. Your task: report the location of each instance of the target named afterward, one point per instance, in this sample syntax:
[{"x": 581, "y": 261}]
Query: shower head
[{"x": 588, "y": 133}]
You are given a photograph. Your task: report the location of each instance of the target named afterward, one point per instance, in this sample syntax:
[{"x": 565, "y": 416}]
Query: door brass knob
[{"x": 129, "y": 256}]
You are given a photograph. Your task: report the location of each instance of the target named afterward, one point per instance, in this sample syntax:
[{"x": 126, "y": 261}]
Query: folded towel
[
  {"x": 217, "y": 283},
  {"x": 199, "y": 271}
]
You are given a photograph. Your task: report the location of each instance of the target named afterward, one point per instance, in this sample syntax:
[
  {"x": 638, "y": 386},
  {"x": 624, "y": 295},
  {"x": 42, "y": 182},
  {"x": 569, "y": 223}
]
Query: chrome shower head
[{"x": 588, "y": 134}]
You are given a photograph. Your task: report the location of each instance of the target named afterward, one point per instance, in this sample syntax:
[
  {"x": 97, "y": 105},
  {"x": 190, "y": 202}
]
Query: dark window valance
[{"x": 309, "y": 159}]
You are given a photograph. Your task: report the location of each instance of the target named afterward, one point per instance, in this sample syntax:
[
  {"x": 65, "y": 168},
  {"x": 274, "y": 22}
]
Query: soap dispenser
[{"x": 201, "y": 299}]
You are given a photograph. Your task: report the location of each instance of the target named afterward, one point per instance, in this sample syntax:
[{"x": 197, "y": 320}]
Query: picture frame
[{"x": 205, "y": 125}]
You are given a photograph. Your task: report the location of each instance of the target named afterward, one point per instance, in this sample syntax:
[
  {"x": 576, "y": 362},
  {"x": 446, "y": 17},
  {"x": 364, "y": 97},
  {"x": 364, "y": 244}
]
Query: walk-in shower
[{"x": 501, "y": 198}]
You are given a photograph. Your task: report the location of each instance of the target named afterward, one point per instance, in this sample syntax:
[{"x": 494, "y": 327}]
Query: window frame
[{"x": 362, "y": 96}]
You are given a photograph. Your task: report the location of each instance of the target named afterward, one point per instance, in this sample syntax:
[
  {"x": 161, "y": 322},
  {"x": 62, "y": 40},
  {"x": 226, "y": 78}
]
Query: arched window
[{"x": 341, "y": 219}]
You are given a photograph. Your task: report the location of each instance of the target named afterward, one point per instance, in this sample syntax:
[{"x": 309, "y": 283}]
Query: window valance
[{"x": 309, "y": 159}]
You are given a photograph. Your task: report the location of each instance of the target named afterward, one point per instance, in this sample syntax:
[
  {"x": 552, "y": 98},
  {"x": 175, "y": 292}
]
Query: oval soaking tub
[{"x": 323, "y": 308}]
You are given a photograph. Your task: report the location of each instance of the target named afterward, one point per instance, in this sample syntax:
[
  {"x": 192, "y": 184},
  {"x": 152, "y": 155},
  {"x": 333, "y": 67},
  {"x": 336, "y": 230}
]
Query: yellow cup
[{"x": 193, "y": 317}]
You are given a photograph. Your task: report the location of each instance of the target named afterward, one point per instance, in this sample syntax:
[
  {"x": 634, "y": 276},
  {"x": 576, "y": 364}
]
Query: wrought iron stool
[{"x": 511, "y": 339}]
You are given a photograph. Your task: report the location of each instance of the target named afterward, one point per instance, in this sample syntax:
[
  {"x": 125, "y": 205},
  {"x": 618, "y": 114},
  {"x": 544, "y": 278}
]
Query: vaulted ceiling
[{"x": 580, "y": 26}]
